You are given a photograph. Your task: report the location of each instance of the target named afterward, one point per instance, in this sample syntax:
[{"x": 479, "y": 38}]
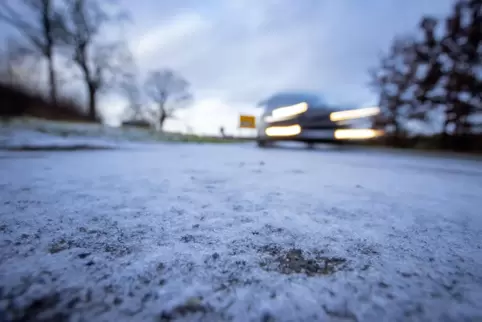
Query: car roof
[{"x": 289, "y": 98}]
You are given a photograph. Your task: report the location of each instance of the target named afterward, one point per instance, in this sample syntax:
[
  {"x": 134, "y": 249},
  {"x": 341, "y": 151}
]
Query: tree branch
[{"x": 13, "y": 18}]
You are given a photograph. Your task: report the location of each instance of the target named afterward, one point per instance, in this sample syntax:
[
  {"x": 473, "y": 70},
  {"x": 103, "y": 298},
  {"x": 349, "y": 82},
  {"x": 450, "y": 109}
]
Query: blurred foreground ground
[{"x": 231, "y": 232}]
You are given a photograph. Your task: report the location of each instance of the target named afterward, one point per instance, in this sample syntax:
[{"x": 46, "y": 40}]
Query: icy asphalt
[{"x": 231, "y": 232}]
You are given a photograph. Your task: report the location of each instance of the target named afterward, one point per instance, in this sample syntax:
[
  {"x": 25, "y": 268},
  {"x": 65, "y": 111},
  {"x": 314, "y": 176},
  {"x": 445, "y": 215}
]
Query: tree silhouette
[
  {"x": 40, "y": 31},
  {"x": 394, "y": 82},
  {"x": 435, "y": 72},
  {"x": 168, "y": 91},
  {"x": 102, "y": 63}
]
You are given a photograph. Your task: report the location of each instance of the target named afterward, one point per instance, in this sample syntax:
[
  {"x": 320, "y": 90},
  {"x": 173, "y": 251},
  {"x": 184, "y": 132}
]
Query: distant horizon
[{"x": 237, "y": 53}]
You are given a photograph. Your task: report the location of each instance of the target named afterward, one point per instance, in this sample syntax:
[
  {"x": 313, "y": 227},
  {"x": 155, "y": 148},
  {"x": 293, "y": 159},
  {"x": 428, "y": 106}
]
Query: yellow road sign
[{"x": 247, "y": 122}]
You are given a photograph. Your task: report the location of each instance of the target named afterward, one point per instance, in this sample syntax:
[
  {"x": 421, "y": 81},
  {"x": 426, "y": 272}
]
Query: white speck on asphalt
[{"x": 184, "y": 232}]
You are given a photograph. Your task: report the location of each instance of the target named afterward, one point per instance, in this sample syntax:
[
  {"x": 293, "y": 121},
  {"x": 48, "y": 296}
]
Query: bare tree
[
  {"x": 394, "y": 81},
  {"x": 169, "y": 91},
  {"x": 438, "y": 71},
  {"x": 101, "y": 62},
  {"x": 462, "y": 47},
  {"x": 131, "y": 91},
  {"x": 39, "y": 30},
  {"x": 453, "y": 61}
]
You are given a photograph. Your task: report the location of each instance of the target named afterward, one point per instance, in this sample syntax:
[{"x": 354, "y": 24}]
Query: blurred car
[{"x": 306, "y": 118}]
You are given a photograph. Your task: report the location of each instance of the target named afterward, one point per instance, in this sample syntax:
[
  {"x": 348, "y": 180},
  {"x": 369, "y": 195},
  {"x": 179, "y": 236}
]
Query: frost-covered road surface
[{"x": 230, "y": 232}]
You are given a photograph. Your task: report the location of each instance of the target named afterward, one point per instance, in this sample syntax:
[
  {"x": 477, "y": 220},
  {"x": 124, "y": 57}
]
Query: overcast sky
[{"x": 237, "y": 52}]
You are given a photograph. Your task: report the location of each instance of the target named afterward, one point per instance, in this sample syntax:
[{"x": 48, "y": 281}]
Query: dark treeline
[
  {"x": 16, "y": 101},
  {"x": 70, "y": 37},
  {"x": 434, "y": 72}
]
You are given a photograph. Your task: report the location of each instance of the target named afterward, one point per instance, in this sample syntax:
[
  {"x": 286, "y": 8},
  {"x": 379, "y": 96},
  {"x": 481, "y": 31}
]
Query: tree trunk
[
  {"x": 162, "y": 119},
  {"x": 49, "y": 49},
  {"x": 397, "y": 136},
  {"x": 162, "y": 115},
  {"x": 397, "y": 140},
  {"x": 92, "y": 102},
  {"x": 445, "y": 139},
  {"x": 52, "y": 80}
]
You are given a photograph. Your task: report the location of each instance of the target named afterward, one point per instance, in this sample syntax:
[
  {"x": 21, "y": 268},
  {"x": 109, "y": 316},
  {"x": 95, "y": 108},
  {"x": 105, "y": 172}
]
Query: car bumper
[{"x": 294, "y": 130}]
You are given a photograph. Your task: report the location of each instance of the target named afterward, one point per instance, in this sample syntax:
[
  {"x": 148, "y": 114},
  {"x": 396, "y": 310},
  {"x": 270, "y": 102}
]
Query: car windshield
[{"x": 290, "y": 98}]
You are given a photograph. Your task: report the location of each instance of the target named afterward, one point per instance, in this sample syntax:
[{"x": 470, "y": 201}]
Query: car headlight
[
  {"x": 288, "y": 111},
  {"x": 354, "y": 114}
]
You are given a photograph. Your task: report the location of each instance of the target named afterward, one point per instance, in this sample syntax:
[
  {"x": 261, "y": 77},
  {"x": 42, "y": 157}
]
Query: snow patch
[{"x": 233, "y": 233}]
